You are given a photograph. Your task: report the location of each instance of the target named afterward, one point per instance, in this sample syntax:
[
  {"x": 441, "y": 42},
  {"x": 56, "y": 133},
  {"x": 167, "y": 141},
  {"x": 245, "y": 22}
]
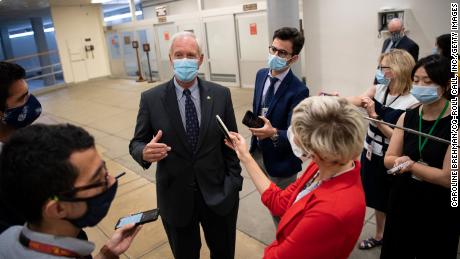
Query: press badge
[
  {"x": 369, "y": 152},
  {"x": 264, "y": 112}
]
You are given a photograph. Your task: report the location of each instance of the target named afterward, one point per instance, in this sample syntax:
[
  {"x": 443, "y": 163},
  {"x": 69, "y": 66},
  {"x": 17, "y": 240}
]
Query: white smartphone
[
  {"x": 223, "y": 128},
  {"x": 398, "y": 168}
]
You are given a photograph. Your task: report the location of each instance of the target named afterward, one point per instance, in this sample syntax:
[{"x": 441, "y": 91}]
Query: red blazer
[{"x": 324, "y": 224}]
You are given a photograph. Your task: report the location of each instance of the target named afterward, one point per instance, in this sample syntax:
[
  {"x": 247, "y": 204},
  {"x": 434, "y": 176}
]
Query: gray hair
[
  {"x": 398, "y": 21},
  {"x": 331, "y": 127},
  {"x": 185, "y": 34}
]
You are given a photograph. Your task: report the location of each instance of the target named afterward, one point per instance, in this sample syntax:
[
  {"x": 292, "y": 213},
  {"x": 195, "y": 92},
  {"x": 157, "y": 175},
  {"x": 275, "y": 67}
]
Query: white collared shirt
[{"x": 277, "y": 84}]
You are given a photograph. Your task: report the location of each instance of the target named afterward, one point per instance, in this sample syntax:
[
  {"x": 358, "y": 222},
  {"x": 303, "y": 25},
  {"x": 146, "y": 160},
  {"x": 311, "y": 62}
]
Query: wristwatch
[{"x": 275, "y": 136}]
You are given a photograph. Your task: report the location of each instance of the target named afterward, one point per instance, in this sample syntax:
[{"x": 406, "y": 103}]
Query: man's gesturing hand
[{"x": 155, "y": 151}]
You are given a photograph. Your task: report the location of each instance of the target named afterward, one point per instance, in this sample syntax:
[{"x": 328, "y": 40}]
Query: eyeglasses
[
  {"x": 382, "y": 67},
  {"x": 281, "y": 52},
  {"x": 70, "y": 194}
]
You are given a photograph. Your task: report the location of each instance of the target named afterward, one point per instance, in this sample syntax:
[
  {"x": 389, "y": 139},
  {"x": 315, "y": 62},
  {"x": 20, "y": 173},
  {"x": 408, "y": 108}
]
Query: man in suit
[
  {"x": 198, "y": 177},
  {"x": 399, "y": 40},
  {"x": 277, "y": 92}
]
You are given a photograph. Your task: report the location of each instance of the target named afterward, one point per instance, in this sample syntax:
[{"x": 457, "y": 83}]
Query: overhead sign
[
  {"x": 250, "y": 7},
  {"x": 161, "y": 11}
]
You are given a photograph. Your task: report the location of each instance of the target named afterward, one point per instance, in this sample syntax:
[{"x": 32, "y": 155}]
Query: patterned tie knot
[{"x": 187, "y": 92}]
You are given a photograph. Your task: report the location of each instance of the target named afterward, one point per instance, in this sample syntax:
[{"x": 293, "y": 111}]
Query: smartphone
[
  {"x": 398, "y": 168},
  {"x": 138, "y": 218},
  {"x": 223, "y": 128},
  {"x": 252, "y": 121}
]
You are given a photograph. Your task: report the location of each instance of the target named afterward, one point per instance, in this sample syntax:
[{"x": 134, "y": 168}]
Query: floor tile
[{"x": 255, "y": 219}]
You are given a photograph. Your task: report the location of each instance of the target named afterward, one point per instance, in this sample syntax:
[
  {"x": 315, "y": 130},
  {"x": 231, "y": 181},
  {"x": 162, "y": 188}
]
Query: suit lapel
[
  {"x": 294, "y": 209},
  {"x": 206, "y": 102},
  {"x": 172, "y": 109},
  {"x": 280, "y": 92}
]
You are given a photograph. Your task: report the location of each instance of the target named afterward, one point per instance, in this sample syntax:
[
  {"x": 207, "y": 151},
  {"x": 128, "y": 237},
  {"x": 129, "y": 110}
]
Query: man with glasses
[
  {"x": 277, "y": 92},
  {"x": 54, "y": 177}
]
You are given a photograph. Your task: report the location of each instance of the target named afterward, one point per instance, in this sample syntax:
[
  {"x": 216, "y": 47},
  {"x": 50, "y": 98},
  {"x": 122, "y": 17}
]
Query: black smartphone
[
  {"x": 223, "y": 128},
  {"x": 138, "y": 218},
  {"x": 252, "y": 121}
]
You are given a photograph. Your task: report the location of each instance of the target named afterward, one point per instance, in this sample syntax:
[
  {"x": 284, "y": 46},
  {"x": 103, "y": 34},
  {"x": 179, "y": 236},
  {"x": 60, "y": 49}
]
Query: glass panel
[
  {"x": 146, "y": 36},
  {"x": 116, "y": 13},
  {"x": 37, "y": 54},
  {"x": 139, "y": 12},
  {"x": 113, "y": 43},
  {"x": 129, "y": 53}
]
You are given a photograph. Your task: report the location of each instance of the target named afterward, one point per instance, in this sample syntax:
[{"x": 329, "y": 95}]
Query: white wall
[
  {"x": 342, "y": 47},
  {"x": 173, "y": 8},
  {"x": 74, "y": 24}
]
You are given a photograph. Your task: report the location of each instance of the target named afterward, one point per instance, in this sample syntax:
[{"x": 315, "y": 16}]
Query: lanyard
[
  {"x": 46, "y": 248},
  {"x": 385, "y": 99},
  {"x": 420, "y": 144}
]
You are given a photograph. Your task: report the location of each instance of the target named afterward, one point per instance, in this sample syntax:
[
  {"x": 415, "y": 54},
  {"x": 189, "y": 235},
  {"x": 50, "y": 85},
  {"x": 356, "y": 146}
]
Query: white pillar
[{"x": 284, "y": 13}]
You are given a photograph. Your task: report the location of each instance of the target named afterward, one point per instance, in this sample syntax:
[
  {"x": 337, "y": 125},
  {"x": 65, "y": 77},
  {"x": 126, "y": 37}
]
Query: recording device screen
[{"x": 138, "y": 218}]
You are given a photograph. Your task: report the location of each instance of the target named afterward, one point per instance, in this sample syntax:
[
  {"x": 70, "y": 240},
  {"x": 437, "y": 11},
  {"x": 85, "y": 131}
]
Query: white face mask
[{"x": 296, "y": 149}]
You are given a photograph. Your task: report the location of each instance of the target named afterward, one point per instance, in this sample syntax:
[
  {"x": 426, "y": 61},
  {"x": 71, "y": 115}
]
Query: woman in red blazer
[{"x": 322, "y": 213}]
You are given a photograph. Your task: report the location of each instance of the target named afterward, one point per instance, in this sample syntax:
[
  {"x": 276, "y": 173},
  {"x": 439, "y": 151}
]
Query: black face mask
[
  {"x": 97, "y": 208},
  {"x": 23, "y": 115}
]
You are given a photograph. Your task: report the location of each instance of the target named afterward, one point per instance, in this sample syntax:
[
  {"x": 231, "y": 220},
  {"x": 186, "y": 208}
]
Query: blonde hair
[
  {"x": 401, "y": 63},
  {"x": 330, "y": 127}
]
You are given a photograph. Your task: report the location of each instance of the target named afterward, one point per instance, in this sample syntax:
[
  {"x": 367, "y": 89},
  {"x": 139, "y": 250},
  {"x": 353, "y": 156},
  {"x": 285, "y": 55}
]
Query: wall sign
[
  {"x": 253, "y": 28},
  {"x": 127, "y": 40},
  {"x": 162, "y": 19},
  {"x": 161, "y": 11},
  {"x": 249, "y": 7},
  {"x": 166, "y": 35}
]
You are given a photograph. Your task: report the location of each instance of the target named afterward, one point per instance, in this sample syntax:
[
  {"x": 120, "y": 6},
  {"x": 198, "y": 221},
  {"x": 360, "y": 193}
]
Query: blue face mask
[
  {"x": 380, "y": 76},
  {"x": 24, "y": 115},
  {"x": 97, "y": 208},
  {"x": 276, "y": 63},
  {"x": 396, "y": 36},
  {"x": 185, "y": 69},
  {"x": 425, "y": 94}
]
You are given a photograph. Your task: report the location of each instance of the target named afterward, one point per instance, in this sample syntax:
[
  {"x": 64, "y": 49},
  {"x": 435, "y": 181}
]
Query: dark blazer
[
  {"x": 214, "y": 167},
  {"x": 279, "y": 160},
  {"x": 406, "y": 44}
]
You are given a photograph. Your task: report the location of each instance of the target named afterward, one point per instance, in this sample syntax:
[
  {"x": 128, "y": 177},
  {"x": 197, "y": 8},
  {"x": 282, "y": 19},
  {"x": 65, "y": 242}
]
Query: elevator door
[
  {"x": 221, "y": 50},
  {"x": 164, "y": 33}
]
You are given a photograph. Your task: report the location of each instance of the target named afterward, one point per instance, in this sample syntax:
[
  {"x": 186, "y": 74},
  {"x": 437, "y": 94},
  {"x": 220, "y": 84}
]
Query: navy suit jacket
[
  {"x": 213, "y": 166},
  {"x": 406, "y": 44},
  {"x": 279, "y": 160}
]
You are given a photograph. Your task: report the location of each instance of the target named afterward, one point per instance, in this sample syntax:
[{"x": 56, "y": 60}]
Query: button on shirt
[
  {"x": 277, "y": 84},
  {"x": 195, "y": 95}
]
